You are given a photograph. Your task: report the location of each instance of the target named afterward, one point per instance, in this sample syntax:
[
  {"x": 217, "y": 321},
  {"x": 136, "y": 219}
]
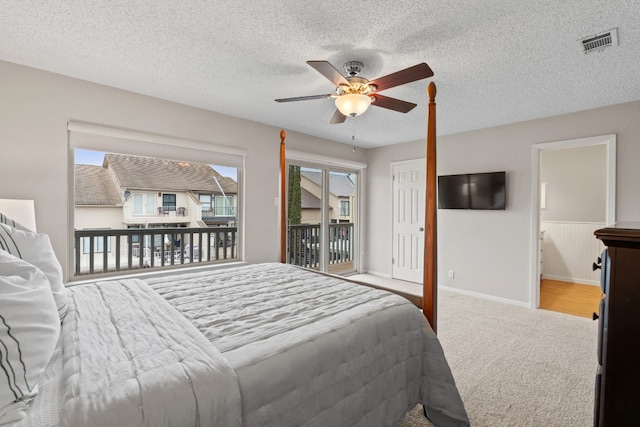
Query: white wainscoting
[{"x": 569, "y": 249}]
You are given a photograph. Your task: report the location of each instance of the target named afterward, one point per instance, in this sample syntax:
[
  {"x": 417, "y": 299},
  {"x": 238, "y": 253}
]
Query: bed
[
  {"x": 250, "y": 345},
  {"x": 255, "y": 345}
]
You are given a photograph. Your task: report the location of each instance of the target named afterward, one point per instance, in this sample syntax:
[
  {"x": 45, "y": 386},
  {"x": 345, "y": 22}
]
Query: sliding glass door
[{"x": 322, "y": 218}]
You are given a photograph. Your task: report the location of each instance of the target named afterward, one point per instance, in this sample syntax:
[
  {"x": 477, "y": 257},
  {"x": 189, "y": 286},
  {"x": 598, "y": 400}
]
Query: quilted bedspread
[
  {"x": 129, "y": 359},
  {"x": 313, "y": 350}
]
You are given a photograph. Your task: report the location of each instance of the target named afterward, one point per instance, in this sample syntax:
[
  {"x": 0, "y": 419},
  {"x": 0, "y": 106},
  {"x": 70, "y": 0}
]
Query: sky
[{"x": 90, "y": 157}]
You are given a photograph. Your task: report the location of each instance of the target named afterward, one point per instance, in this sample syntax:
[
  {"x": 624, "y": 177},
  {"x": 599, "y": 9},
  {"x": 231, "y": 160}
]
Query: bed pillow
[
  {"x": 10, "y": 221},
  {"x": 35, "y": 248},
  {"x": 29, "y": 330}
]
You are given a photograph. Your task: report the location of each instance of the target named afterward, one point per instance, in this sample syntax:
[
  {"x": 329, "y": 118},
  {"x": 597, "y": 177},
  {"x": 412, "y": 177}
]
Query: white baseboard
[
  {"x": 571, "y": 280},
  {"x": 484, "y": 296},
  {"x": 464, "y": 292}
]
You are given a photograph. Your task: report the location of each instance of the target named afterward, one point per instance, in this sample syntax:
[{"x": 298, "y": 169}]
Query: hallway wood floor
[{"x": 571, "y": 298}]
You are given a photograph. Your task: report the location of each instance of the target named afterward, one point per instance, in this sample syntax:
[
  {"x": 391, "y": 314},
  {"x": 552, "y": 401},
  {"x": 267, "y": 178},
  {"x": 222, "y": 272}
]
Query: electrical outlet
[{"x": 451, "y": 274}]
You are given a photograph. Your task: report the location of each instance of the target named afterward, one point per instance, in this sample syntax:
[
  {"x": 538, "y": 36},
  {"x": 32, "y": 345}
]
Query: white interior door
[{"x": 408, "y": 219}]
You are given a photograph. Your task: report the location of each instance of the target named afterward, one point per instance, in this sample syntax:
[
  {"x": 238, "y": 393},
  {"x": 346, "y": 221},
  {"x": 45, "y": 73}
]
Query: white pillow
[
  {"x": 36, "y": 249},
  {"x": 10, "y": 221},
  {"x": 29, "y": 330}
]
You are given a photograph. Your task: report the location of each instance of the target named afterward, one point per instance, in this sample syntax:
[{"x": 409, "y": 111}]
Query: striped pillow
[
  {"x": 36, "y": 249},
  {"x": 10, "y": 221},
  {"x": 29, "y": 331}
]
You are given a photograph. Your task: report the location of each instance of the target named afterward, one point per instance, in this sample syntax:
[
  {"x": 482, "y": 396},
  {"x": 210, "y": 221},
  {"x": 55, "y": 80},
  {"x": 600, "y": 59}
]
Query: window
[
  {"x": 344, "y": 208},
  {"x": 224, "y": 205},
  {"x": 144, "y": 204},
  {"x": 136, "y": 197},
  {"x": 169, "y": 202},
  {"x": 134, "y": 238},
  {"x": 98, "y": 245},
  {"x": 133, "y": 188},
  {"x": 205, "y": 201}
]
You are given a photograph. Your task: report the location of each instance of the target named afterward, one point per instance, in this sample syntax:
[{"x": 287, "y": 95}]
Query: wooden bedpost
[
  {"x": 430, "y": 268},
  {"x": 283, "y": 199}
]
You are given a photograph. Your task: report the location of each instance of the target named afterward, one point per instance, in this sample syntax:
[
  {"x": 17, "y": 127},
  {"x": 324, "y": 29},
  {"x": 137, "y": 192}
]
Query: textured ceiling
[{"x": 495, "y": 62}]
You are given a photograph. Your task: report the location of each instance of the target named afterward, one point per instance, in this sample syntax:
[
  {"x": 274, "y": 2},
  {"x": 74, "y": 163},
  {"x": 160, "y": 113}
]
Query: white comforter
[
  {"x": 311, "y": 350},
  {"x": 129, "y": 359}
]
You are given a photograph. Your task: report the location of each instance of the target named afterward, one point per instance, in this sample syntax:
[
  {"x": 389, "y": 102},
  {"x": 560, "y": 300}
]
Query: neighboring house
[
  {"x": 142, "y": 192},
  {"x": 342, "y": 192},
  {"x": 98, "y": 205},
  {"x": 160, "y": 192},
  {"x": 310, "y": 207}
]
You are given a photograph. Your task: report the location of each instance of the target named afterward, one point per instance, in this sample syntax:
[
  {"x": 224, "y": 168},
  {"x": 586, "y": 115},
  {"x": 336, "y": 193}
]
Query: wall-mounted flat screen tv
[{"x": 484, "y": 191}]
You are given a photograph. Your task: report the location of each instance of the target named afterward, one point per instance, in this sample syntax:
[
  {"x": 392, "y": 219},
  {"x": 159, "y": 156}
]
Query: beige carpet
[{"x": 515, "y": 366}]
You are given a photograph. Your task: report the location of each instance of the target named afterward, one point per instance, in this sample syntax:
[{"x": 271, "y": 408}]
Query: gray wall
[
  {"x": 576, "y": 184},
  {"x": 36, "y": 105},
  {"x": 490, "y": 251}
]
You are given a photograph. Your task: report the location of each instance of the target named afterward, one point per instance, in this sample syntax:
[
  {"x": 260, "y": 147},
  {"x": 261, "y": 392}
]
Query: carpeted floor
[{"x": 514, "y": 366}]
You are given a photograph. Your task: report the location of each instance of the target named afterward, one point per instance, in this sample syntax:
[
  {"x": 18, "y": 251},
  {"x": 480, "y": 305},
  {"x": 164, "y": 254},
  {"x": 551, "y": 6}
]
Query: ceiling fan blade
[
  {"x": 303, "y": 98},
  {"x": 393, "y": 103},
  {"x": 338, "y": 118},
  {"x": 329, "y": 71},
  {"x": 408, "y": 75}
]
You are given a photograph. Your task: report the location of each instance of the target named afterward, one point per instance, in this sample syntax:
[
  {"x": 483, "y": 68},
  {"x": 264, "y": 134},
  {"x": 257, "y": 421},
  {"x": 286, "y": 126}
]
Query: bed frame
[{"x": 430, "y": 266}]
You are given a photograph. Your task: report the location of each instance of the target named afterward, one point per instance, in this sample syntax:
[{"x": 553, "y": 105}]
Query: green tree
[{"x": 294, "y": 196}]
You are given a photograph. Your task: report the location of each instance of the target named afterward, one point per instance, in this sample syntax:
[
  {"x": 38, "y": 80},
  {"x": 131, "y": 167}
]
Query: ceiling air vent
[{"x": 600, "y": 41}]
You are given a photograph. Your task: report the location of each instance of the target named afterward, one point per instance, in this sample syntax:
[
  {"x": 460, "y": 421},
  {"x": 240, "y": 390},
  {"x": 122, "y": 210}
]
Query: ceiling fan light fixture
[{"x": 353, "y": 104}]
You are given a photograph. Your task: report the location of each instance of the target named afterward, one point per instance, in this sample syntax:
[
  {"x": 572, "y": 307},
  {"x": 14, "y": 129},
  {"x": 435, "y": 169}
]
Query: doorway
[
  {"x": 541, "y": 199},
  {"x": 322, "y": 218},
  {"x": 408, "y": 206},
  {"x": 569, "y": 298}
]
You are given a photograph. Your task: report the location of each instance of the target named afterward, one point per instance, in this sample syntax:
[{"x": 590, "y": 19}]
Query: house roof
[
  {"x": 148, "y": 173},
  {"x": 340, "y": 185},
  {"x": 308, "y": 200},
  {"x": 94, "y": 186}
]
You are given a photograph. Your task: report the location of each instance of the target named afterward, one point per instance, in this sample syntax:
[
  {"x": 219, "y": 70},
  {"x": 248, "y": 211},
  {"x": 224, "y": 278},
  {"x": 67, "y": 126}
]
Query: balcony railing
[
  {"x": 109, "y": 251},
  {"x": 105, "y": 251},
  {"x": 227, "y": 213},
  {"x": 305, "y": 244},
  {"x": 172, "y": 211}
]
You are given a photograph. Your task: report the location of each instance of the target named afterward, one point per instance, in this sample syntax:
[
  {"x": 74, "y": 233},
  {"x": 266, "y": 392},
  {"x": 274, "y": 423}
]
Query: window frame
[
  {"x": 327, "y": 168},
  {"x": 229, "y": 201},
  {"x": 147, "y": 204},
  {"x": 205, "y": 203},
  {"x": 344, "y": 203},
  {"x": 169, "y": 206},
  {"x": 110, "y": 139}
]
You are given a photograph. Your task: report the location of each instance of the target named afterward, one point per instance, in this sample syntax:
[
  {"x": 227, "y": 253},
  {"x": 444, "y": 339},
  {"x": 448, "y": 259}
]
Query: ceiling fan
[{"x": 354, "y": 94}]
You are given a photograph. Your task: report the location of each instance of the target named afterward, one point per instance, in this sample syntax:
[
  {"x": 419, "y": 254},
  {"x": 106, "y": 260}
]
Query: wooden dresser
[{"x": 617, "y": 394}]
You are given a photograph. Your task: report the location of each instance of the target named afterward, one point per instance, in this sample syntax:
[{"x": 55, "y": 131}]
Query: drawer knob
[{"x": 595, "y": 266}]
